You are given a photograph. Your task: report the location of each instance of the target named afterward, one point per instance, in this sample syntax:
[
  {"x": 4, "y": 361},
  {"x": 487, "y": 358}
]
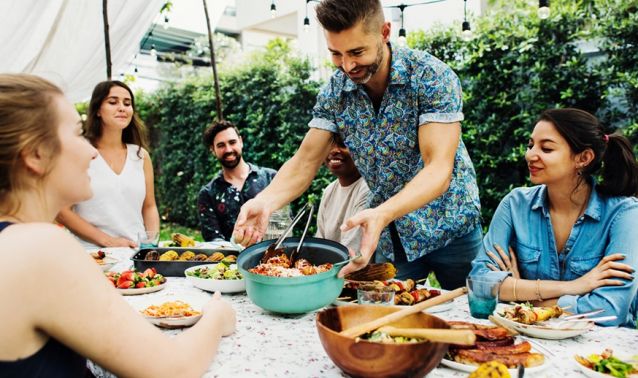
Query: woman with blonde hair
[
  {"x": 123, "y": 203},
  {"x": 58, "y": 308}
]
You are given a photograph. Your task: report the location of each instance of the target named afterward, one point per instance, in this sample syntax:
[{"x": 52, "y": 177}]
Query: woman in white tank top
[{"x": 123, "y": 202}]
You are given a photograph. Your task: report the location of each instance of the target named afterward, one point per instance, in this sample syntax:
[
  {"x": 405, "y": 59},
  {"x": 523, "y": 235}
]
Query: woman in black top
[{"x": 57, "y": 307}]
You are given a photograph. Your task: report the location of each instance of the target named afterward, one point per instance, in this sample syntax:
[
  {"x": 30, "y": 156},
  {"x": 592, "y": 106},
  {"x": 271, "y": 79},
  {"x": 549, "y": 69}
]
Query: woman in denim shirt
[{"x": 568, "y": 234}]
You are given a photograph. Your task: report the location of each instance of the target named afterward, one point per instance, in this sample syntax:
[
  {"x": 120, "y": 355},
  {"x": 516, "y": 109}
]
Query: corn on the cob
[{"x": 183, "y": 240}]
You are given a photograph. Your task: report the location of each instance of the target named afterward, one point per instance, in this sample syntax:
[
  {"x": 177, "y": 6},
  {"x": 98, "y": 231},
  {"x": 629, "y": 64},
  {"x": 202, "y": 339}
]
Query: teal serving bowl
[{"x": 294, "y": 295}]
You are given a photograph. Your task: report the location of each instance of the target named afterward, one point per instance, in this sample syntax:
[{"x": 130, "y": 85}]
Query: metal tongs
[{"x": 272, "y": 249}]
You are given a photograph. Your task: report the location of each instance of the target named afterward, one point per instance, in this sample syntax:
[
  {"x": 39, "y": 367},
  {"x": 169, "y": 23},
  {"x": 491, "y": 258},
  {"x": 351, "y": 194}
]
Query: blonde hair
[{"x": 28, "y": 121}]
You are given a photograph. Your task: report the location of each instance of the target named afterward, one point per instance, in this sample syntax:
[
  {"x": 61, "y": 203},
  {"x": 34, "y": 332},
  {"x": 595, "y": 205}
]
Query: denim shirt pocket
[
  {"x": 579, "y": 266},
  {"x": 528, "y": 260}
]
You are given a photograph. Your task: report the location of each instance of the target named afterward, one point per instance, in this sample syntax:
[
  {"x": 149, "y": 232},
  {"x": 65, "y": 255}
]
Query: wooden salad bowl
[{"x": 359, "y": 358}]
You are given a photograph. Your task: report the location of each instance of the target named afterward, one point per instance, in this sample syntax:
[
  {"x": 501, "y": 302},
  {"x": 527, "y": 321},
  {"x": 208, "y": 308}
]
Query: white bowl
[{"x": 209, "y": 284}]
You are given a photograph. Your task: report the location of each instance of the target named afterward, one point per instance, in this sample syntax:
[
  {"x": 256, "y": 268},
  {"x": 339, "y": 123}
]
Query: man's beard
[
  {"x": 230, "y": 164},
  {"x": 370, "y": 69}
]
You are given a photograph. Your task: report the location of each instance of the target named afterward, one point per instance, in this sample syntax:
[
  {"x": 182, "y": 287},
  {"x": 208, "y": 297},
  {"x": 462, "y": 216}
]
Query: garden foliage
[{"x": 515, "y": 67}]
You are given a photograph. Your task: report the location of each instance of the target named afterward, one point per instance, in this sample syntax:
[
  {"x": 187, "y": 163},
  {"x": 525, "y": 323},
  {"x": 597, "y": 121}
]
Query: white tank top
[{"x": 116, "y": 205}]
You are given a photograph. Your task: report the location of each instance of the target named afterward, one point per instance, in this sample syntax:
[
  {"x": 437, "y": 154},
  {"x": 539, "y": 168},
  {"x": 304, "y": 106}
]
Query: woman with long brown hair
[{"x": 123, "y": 204}]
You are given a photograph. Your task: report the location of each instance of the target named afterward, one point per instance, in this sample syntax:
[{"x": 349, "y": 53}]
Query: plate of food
[
  {"x": 223, "y": 277},
  {"x": 607, "y": 364},
  {"x": 541, "y": 322},
  {"x": 406, "y": 293},
  {"x": 494, "y": 344},
  {"x": 102, "y": 259},
  {"x": 131, "y": 282},
  {"x": 172, "y": 314}
]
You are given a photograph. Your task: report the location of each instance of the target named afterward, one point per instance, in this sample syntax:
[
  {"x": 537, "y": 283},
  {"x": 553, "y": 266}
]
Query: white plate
[
  {"x": 209, "y": 284},
  {"x": 181, "y": 322},
  {"x": 438, "y": 308},
  {"x": 513, "y": 372},
  {"x": 142, "y": 290},
  {"x": 554, "y": 329},
  {"x": 594, "y": 374}
]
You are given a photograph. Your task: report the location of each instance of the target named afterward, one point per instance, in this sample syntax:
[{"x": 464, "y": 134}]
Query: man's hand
[
  {"x": 251, "y": 222},
  {"x": 372, "y": 221}
]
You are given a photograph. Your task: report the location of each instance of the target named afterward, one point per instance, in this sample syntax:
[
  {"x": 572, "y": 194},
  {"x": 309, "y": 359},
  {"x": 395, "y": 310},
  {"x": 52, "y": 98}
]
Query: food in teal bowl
[{"x": 294, "y": 295}]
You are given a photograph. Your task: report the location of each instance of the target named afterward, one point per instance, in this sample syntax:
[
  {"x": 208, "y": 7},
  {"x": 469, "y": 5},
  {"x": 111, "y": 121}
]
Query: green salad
[
  {"x": 381, "y": 337},
  {"x": 606, "y": 363},
  {"x": 221, "y": 271}
]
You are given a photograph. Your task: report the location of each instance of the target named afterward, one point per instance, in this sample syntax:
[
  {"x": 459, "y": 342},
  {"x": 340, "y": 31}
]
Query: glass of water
[{"x": 278, "y": 222}]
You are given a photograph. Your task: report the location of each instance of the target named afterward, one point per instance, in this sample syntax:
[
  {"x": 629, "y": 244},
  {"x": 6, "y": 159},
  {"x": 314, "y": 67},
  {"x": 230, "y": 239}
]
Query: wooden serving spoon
[
  {"x": 393, "y": 317},
  {"x": 437, "y": 335}
]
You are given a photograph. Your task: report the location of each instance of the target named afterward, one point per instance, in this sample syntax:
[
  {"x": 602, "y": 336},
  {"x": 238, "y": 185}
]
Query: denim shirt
[
  {"x": 384, "y": 145},
  {"x": 609, "y": 225}
]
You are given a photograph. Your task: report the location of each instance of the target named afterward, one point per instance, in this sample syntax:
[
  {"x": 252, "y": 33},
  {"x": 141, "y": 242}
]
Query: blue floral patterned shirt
[
  {"x": 522, "y": 221},
  {"x": 385, "y": 149}
]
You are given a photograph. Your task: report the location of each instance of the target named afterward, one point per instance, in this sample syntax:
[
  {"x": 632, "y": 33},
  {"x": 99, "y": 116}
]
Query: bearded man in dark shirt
[{"x": 220, "y": 200}]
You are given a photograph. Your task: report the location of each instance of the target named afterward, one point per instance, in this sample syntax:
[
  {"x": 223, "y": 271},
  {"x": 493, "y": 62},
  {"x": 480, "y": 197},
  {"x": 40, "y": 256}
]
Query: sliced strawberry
[
  {"x": 127, "y": 275},
  {"x": 140, "y": 284}
]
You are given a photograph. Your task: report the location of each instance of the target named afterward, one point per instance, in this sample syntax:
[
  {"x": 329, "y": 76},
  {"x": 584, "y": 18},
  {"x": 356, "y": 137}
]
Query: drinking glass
[
  {"x": 278, "y": 222},
  {"x": 376, "y": 295},
  {"x": 148, "y": 239},
  {"x": 482, "y": 295}
]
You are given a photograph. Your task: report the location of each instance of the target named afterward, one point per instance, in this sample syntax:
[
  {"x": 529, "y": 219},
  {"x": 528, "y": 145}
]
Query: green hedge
[
  {"x": 516, "y": 66},
  {"x": 270, "y": 100}
]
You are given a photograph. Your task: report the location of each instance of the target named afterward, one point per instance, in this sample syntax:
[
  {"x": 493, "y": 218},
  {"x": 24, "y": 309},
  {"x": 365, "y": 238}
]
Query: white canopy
[{"x": 63, "y": 40}]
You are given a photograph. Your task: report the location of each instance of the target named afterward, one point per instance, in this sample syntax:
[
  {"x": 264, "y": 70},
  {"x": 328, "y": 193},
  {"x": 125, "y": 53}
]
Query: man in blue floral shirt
[
  {"x": 399, "y": 113},
  {"x": 220, "y": 200}
]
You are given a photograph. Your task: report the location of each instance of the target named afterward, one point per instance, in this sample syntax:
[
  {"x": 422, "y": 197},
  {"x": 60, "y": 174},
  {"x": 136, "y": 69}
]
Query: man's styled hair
[
  {"x": 215, "y": 128},
  {"x": 339, "y": 15}
]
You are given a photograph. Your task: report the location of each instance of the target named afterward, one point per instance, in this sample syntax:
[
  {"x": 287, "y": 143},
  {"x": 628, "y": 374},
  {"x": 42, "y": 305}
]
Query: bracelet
[
  {"x": 538, "y": 290},
  {"x": 514, "y": 290}
]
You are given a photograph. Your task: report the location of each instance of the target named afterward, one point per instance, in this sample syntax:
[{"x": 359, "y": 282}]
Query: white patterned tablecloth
[{"x": 270, "y": 345}]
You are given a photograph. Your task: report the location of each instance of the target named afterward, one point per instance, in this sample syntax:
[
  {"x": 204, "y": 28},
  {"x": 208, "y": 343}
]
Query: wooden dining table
[{"x": 276, "y": 345}]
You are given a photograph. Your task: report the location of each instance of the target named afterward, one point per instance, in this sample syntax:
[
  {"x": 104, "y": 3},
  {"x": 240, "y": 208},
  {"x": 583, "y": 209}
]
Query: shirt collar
[
  {"x": 593, "y": 210},
  {"x": 252, "y": 169},
  {"x": 398, "y": 70}
]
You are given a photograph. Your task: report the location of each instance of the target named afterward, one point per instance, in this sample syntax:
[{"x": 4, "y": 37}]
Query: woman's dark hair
[
  {"x": 613, "y": 154},
  {"x": 135, "y": 133},
  {"x": 339, "y": 15}
]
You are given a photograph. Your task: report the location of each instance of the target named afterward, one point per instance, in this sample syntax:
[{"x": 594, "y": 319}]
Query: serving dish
[
  {"x": 552, "y": 329},
  {"x": 172, "y": 314},
  {"x": 209, "y": 284},
  {"x": 175, "y": 268},
  {"x": 142, "y": 290},
  {"x": 294, "y": 295},
  {"x": 435, "y": 309},
  {"x": 604, "y": 354},
  {"x": 361, "y": 358}
]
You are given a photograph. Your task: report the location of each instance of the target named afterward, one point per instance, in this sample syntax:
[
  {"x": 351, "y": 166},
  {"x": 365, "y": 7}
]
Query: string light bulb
[
  {"x": 543, "y": 9},
  {"x": 402, "y": 34},
  {"x": 466, "y": 30},
  {"x": 306, "y": 24},
  {"x": 273, "y": 9},
  {"x": 165, "y": 25},
  {"x": 402, "y": 39},
  {"x": 153, "y": 51}
]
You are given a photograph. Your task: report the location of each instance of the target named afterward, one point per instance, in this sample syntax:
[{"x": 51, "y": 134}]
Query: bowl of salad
[{"x": 223, "y": 277}]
